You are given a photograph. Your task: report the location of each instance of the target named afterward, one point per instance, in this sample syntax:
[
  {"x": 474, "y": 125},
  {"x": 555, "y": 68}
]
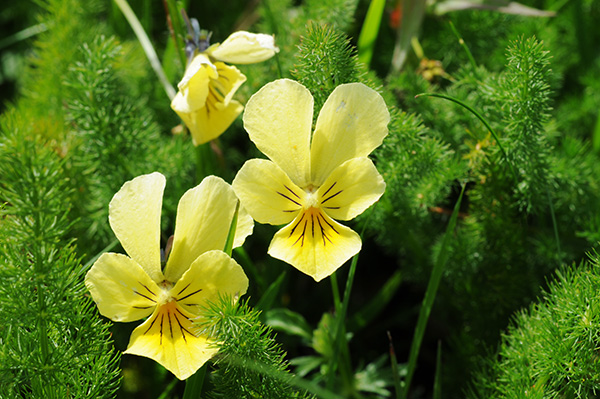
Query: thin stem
[
  {"x": 110, "y": 246},
  {"x": 464, "y": 46},
  {"x": 478, "y": 115},
  {"x": 430, "y": 294},
  {"x": 193, "y": 385},
  {"x": 147, "y": 46},
  {"x": 204, "y": 161},
  {"x": 554, "y": 224},
  {"x": 175, "y": 29}
]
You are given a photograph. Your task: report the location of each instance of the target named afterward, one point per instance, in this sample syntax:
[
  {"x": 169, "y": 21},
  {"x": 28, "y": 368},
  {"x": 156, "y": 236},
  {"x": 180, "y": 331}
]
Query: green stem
[
  {"x": 193, "y": 385},
  {"x": 554, "y": 224},
  {"x": 176, "y": 30},
  {"x": 90, "y": 262},
  {"x": 464, "y": 46},
  {"x": 430, "y": 294},
  {"x": 138, "y": 29},
  {"x": 204, "y": 161},
  {"x": 478, "y": 115}
]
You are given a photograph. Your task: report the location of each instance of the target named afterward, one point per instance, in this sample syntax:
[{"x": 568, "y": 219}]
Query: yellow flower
[
  {"x": 309, "y": 183},
  {"x": 204, "y": 101},
  {"x": 129, "y": 288}
]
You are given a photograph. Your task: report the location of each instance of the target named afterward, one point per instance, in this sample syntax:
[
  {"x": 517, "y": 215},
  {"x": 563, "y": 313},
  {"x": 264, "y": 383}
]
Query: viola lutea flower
[
  {"x": 130, "y": 288},
  {"x": 308, "y": 184},
  {"x": 204, "y": 101}
]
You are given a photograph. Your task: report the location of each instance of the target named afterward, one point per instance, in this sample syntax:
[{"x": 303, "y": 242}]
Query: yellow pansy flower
[
  {"x": 130, "y": 288},
  {"x": 204, "y": 101},
  {"x": 310, "y": 182}
]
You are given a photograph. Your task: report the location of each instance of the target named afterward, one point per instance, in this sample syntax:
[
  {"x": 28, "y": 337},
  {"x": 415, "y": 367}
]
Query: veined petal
[
  {"x": 229, "y": 80},
  {"x": 168, "y": 337},
  {"x": 134, "y": 216},
  {"x": 210, "y": 122},
  {"x": 267, "y": 192},
  {"x": 204, "y": 215},
  {"x": 315, "y": 244},
  {"x": 194, "y": 87},
  {"x": 278, "y": 119},
  {"x": 121, "y": 288},
  {"x": 214, "y": 273},
  {"x": 245, "y": 48},
  {"x": 351, "y": 124},
  {"x": 351, "y": 188}
]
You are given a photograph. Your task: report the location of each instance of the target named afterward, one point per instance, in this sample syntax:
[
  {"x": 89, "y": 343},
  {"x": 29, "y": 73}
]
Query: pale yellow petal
[
  {"x": 204, "y": 215},
  {"x": 194, "y": 87},
  {"x": 351, "y": 124},
  {"x": 278, "y": 119},
  {"x": 134, "y": 216},
  {"x": 224, "y": 87},
  {"x": 214, "y": 273},
  {"x": 169, "y": 338},
  {"x": 121, "y": 288},
  {"x": 267, "y": 192},
  {"x": 351, "y": 188},
  {"x": 210, "y": 122},
  {"x": 245, "y": 48},
  {"x": 315, "y": 244}
]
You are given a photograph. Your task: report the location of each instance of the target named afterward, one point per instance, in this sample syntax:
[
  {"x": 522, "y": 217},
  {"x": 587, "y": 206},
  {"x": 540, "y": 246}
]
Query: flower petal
[
  {"x": 204, "y": 215},
  {"x": 168, "y": 337},
  {"x": 351, "y": 188},
  {"x": 121, "y": 288},
  {"x": 229, "y": 80},
  {"x": 210, "y": 122},
  {"x": 315, "y": 244},
  {"x": 214, "y": 273},
  {"x": 245, "y": 48},
  {"x": 134, "y": 216},
  {"x": 267, "y": 192},
  {"x": 278, "y": 119},
  {"x": 194, "y": 87},
  {"x": 351, "y": 124}
]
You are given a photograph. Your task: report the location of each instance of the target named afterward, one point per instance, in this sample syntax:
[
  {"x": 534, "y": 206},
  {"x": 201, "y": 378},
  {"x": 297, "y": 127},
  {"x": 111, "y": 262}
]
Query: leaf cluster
[
  {"x": 551, "y": 349},
  {"x": 52, "y": 345},
  {"x": 250, "y": 363}
]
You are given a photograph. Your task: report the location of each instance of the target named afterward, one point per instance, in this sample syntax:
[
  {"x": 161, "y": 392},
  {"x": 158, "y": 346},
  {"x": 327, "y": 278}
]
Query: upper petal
[
  {"x": 134, "y": 216},
  {"x": 351, "y": 124},
  {"x": 169, "y": 338},
  {"x": 194, "y": 87},
  {"x": 121, "y": 288},
  {"x": 278, "y": 119},
  {"x": 267, "y": 192},
  {"x": 245, "y": 48},
  {"x": 204, "y": 215},
  {"x": 351, "y": 188},
  {"x": 315, "y": 244}
]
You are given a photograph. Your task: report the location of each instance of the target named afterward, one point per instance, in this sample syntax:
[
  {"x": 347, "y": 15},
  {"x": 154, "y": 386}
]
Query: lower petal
[
  {"x": 315, "y": 244},
  {"x": 211, "y": 121},
  {"x": 169, "y": 338}
]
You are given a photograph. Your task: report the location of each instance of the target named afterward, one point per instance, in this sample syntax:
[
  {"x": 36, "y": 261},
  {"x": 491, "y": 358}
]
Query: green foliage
[
  {"x": 250, "y": 363},
  {"x": 325, "y": 60},
  {"x": 523, "y": 94},
  {"x": 52, "y": 345},
  {"x": 550, "y": 350},
  {"x": 106, "y": 124}
]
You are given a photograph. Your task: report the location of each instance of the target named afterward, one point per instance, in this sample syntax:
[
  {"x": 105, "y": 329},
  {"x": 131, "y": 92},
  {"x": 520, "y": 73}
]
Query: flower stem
[
  {"x": 204, "y": 161},
  {"x": 193, "y": 385}
]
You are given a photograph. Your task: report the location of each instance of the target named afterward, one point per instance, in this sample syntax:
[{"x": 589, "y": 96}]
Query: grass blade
[
  {"x": 369, "y": 31},
  {"x": 432, "y": 288}
]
